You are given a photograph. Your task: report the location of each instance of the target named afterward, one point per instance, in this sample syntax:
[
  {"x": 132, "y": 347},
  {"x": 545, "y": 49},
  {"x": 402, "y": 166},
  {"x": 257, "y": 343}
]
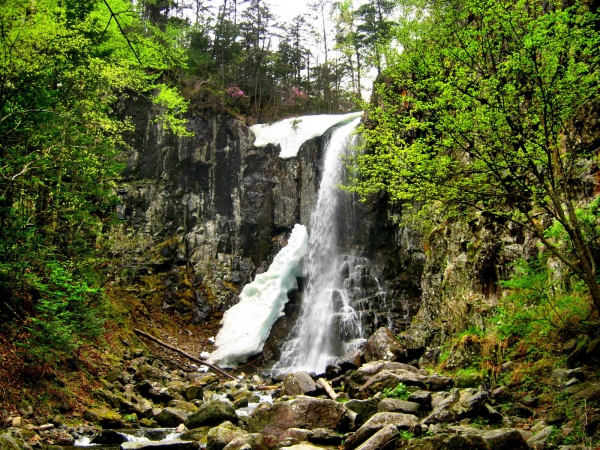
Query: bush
[{"x": 399, "y": 391}]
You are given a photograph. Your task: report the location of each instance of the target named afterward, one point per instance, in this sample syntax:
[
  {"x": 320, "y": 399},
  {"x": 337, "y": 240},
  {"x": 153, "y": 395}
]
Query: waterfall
[{"x": 331, "y": 317}]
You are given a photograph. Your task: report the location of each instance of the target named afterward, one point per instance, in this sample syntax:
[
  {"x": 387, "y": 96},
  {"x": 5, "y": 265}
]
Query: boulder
[
  {"x": 303, "y": 446},
  {"x": 108, "y": 437},
  {"x": 219, "y": 437},
  {"x": 294, "y": 436},
  {"x": 212, "y": 413},
  {"x": 448, "y": 441},
  {"x": 175, "y": 444},
  {"x": 423, "y": 398},
  {"x": 197, "y": 434},
  {"x": 253, "y": 441},
  {"x": 299, "y": 383},
  {"x": 458, "y": 405},
  {"x": 351, "y": 360},
  {"x": 379, "y": 421},
  {"x": 104, "y": 417},
  {"x": 387, "y": 379},
  {"x": 397, "y": 405},
  {"x": 303, "y": 412},
  {"x": 325, "y": 436},
  {"x": 183, "y": 406},
  {"x": 364, "y": 409},
  {"x": 8, "y": 441},
  {"x": 383, "y": 346},
  {"x": 194, "y": 393},
  {"x": 171, "y": 417},
  {"x": 383, "y": 438},
  {"x": 539, "y": 439},
  {"x": 500, "y": 439}
]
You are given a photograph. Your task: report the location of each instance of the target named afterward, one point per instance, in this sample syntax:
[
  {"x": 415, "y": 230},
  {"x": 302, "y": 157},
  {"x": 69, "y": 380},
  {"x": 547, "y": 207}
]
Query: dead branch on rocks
[{"x": 181, "y": 352}]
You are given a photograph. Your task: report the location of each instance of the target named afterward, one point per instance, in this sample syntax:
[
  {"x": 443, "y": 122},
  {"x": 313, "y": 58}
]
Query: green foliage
[
  {"x": 400, "y": 391},
  {"x": 405, "y": 435},
  {"x": 487, "y": 108},
  {"x": 69, "y": 313},
  {"x": 63, "y": 68},
  {"x": 538, "y": 304}
]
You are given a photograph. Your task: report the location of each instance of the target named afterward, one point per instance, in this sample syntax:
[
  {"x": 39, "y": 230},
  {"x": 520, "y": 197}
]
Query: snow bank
[
  {"x": 292, "y": 133},
  {"x": 247, "y": 325}
]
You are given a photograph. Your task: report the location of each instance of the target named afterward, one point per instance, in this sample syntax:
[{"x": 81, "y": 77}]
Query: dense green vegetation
[
  {"x": 490, "y": 106},
  {"x": 63, "y": 66}
]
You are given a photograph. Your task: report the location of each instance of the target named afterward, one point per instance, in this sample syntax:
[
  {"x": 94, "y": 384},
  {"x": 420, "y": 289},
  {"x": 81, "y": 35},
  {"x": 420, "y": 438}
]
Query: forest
[{"x": 475, "y": 111}]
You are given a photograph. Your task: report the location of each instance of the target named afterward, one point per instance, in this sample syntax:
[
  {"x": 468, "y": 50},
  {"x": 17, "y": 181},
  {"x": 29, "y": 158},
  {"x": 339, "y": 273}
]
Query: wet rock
[
  {"x": 64, "y": 439},
  {"x": 383, "y": 346},
  {"x": 379, "y": 421},
  {"x": 351, "y": 360},
  {"x": 397, "y": 405},
  {"x": 520, "y": 410},
  {"x": 364, "y": 409},
  {"x": 539, "y": 439},
  {"x": 430, "y": 356},
  {"x": 388, "y": 380},
  {"x": 325, "y": 436},
  {"x": 501, "y": 439},
  {"x": 148, "y": 372},
  {"x": 10, "y": 441},
  {"x": 212, "y": 413},
  {"x": 299, "y": 383},
  {"x": 219, "y": 437},
  {"x": 104, "y": 417},
  {"x": 585, "y": 391},
  {"x": 194, "y": 393},
  {"x": 253, "y": 441},
  {"x": 202, "y": 379},
  {"x": 423, "y": 398},
  {"x": 457, "y": 405},
  {"x": 383, "y": 439},
  {"x": 171, "y": 417},
  {"x": 109, "y": 437},
  {"x": 294, "y": 435},
  {"x": 470, "y": 380},
  {"x": 183, "y": 406},
  {"x": 439, "y": 383},
  {"x": 303, "y": 446},
  {"x": 563, "y": 375},
  {"x": 197, "y": 434},
  {"x": 332, "y": 371},
  {"x": 303, "y": 412},
  {"x": 446, "y": 442},
  {"x": 161, "y": 445}
]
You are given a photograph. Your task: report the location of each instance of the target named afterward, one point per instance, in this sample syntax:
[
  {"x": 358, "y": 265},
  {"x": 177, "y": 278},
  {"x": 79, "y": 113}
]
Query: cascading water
[{"x": 340, "y": 288}]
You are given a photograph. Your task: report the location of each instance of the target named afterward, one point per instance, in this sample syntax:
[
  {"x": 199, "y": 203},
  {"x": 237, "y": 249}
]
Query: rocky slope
[{"x": 380, "y": 402}]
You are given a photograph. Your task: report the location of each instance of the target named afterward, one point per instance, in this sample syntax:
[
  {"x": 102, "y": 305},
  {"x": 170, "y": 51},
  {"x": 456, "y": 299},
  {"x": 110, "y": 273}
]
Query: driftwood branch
[
  {"x": 325, "y": 385},
  {"x": 181, "y": 352}
]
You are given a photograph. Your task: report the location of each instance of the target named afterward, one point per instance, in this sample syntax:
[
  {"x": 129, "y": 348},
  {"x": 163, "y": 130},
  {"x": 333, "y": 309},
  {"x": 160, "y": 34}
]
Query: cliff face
[{"x": 217, "y": 209}]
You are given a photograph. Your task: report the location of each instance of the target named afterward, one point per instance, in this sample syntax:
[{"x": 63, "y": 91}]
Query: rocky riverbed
[{"x": 149, "y": 403}]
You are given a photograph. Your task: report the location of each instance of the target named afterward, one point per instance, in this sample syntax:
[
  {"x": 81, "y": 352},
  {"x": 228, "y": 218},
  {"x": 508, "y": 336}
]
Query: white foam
[
  {"x": 292, "y": 133},
  {"x": 246, "y": 326}
]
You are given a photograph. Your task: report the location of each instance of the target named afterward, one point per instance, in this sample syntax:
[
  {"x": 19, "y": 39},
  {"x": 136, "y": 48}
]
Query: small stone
[{"x": 16, "y": 421}]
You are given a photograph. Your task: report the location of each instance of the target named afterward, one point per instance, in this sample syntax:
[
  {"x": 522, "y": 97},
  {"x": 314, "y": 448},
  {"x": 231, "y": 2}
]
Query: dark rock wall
[{"x": 223, "y": 208}]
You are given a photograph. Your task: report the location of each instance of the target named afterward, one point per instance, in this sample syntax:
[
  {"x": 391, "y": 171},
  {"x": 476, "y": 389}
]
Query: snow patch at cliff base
[
  {"x": 246, "y": 326},
  {"x": 290, "y": 134}
]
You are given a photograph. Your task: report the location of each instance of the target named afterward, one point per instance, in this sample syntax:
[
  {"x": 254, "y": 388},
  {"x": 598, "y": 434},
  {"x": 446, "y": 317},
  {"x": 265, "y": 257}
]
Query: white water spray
[{"x": 326, "y": 310}]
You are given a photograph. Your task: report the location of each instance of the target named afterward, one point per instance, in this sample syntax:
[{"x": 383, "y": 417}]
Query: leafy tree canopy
[
  {"x": 63, "y": 66},
  {"x": 491, "y": 105}
]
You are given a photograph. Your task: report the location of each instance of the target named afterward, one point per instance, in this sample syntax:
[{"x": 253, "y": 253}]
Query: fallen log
[
  {"x": 181, "y": 352},
  {"x": 325, "y": 385}
]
